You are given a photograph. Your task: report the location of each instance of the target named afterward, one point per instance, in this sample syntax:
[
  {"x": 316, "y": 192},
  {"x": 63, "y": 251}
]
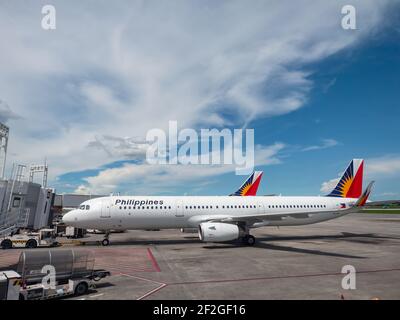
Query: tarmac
[{"x": 303, "y": 262}]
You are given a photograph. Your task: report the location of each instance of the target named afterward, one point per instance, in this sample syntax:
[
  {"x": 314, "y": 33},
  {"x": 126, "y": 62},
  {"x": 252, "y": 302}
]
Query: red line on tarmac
[{"x": 153, "y": 260}]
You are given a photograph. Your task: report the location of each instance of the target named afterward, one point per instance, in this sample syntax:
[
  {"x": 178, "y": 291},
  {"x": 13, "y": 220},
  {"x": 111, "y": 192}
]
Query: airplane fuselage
[{"x": 171, "y": 212}]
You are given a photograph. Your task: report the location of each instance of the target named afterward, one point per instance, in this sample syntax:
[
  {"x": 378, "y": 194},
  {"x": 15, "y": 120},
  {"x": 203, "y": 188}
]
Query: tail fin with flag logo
[
  {"x": 350, "y": 184},
  {"x": 250, "y": 186}
]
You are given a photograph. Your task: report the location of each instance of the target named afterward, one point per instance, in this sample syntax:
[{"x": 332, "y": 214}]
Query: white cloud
[
  {"x": 389, "y": 194},
  {"x": 152, "y": 177},
  {"x": 6, "y": 113},
  {"x": 82, "y": 189},
  {"x": 326, "y": 143},
  {"x": 328, "y": 186},
  {"x": 121, "y": 148},
  {"x": 121, "y": 69},
  {"x": 386, "y": 166}
]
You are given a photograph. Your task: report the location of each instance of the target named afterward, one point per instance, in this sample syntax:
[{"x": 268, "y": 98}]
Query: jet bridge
[{"x": 24, "y": 205}]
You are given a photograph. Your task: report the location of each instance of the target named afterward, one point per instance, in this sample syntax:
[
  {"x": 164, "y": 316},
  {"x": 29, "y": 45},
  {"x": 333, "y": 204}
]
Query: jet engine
[{"x": 218, "y": 232}]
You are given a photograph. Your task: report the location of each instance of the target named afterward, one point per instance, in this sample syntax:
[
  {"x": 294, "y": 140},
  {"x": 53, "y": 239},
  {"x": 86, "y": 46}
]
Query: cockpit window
[
  {"x": 87, "y": 207},
  {"x": 82, "y": 207}
]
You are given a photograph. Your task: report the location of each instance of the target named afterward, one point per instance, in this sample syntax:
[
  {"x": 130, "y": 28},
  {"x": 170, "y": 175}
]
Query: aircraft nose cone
[{"x": 70, "y": 218}]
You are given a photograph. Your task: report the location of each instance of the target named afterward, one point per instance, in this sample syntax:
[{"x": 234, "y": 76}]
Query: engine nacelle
[{"x": 218, "y": 231}]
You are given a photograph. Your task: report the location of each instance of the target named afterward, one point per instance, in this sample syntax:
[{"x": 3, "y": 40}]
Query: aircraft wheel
[
  {"x": 105, "y": 242},
  {"x": 251, "y": 240}
]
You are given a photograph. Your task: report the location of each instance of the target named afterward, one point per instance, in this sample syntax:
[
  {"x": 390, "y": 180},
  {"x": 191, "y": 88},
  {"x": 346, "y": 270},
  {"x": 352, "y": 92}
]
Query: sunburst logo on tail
[
  {"x": 245, "y": 188},
  {"x": 250, "y": 186},
  {"x": 350, "y": 185}
]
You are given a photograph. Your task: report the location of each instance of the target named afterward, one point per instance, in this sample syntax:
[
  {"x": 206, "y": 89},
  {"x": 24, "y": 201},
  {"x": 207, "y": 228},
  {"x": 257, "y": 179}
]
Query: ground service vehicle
[
  {"x": 41, "y": 238},
  {"x": 74, "y": 273}
]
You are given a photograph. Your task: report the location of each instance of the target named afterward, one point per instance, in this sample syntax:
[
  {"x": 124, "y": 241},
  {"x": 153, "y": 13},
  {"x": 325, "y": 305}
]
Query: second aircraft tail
[{"x": 250, "y": 186}]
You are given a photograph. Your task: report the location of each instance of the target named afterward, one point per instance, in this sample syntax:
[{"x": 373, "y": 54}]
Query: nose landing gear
[{"x": 105, "y": 242}]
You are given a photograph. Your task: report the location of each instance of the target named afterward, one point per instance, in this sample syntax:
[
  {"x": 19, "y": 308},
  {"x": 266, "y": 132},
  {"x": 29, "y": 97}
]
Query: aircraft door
[
  {"x": 105, "y": 209},
  {"x": 179, "y": 213},
  {"x": 260, "y": 208}
]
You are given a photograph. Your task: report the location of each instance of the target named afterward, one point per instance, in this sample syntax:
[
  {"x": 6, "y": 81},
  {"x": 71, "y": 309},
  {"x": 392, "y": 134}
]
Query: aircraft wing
[
  {"x": 262, "y": 218},
  {"x": 252, "y": 219}
]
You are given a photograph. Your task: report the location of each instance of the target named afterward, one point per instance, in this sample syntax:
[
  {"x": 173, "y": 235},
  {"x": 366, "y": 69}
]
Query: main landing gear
[
  {"x": 246, "y": 237},
  {"x": 249, "y": 240},
  {"x": 106, "y": 241}
]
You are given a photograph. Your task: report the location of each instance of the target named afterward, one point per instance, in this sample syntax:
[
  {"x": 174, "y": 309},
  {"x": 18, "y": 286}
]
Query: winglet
[{"x": 364, "y": 197}]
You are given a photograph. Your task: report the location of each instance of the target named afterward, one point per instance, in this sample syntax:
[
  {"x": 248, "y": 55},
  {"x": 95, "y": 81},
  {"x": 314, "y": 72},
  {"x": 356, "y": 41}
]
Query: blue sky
[{"x": 316, "y": 95}]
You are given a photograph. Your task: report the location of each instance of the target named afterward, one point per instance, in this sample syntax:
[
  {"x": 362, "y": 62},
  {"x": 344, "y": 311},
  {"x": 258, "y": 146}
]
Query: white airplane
[{"x": 221, "y": 218}]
